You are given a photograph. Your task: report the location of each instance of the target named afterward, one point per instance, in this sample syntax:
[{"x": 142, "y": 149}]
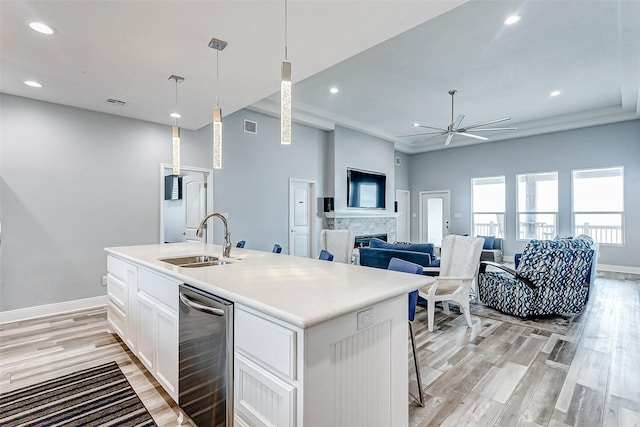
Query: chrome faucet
[{"x": 227, "y": 235}]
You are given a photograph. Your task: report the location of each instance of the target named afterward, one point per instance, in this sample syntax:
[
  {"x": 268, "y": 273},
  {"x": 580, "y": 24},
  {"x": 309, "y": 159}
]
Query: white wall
[
  {"x": 593, "y": 147},
  {"x": 74, "y": 182}
]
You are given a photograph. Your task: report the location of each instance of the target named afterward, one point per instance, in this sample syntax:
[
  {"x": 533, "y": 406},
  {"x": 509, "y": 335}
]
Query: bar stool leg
[{"x": 415, "y": 361}]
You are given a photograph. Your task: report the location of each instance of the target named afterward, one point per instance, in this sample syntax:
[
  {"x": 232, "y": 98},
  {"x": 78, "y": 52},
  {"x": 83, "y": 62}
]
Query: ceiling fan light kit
[{"x": 454, "y": 127}]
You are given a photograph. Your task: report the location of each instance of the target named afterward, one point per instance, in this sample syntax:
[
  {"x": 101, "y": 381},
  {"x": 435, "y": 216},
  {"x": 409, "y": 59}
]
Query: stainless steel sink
[{"x": 193, "y": 261}]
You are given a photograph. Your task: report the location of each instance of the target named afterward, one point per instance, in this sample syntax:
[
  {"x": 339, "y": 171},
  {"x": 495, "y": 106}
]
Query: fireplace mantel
[{"x": 362, "y": 214}]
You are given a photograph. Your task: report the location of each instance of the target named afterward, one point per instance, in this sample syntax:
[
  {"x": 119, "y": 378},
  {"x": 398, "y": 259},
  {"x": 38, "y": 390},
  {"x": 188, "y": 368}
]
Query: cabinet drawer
[
  {"x": 117, "y": 268},
  {"x": 117, "y": 319},
  {"x": 160, "y": 288},
  {"x": 117, "y": 291},
  {"x": 261, "y": 398},
  {"x": 270, "y": 344}
]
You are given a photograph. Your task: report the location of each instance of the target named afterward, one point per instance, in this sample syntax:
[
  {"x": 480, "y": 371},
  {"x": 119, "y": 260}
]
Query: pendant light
[
  {"x": 285, "y": 91},
  {"x": 217, "y": 111},
  {"x": 175, "y": 131}
]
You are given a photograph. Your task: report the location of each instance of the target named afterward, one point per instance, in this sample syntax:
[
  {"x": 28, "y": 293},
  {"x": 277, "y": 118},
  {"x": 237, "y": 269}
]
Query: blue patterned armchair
[{"x": 551, "y": 278}]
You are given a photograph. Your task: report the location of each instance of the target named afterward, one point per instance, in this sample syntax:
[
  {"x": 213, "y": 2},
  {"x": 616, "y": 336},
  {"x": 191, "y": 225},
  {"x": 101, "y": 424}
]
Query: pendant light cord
[
  {"x": 285, "y": 30},
  {"x": 217, "y": 79}
]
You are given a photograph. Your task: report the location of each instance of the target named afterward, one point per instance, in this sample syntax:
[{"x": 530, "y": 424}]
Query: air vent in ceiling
[
  {"x": 251, "y": 127},
  {"x": 113, "y": 101}
]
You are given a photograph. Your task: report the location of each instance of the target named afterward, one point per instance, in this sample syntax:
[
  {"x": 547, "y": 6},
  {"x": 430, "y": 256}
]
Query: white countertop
[{"x": 300, "y": 291}]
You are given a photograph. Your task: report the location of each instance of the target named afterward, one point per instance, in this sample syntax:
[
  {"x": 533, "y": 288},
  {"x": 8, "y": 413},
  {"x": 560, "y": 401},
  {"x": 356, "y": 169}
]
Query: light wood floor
[
  {"x": 494, "y": 373},
  {"x": 501, "y": 374}
]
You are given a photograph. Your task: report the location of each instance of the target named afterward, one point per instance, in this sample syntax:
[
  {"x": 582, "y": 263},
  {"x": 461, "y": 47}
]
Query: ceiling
[
  {"x": 393, "y": 61},
  {"x": 126, "y": 50}
]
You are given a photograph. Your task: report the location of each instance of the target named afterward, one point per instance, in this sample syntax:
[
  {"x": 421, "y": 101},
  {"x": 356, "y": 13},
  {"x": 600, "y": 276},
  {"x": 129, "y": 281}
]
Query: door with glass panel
[{"x": 434, "y": 216}]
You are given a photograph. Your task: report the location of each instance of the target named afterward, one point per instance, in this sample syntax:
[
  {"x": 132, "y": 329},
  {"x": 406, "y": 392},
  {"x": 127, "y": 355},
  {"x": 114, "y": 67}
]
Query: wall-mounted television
[{"x": 366, "y": 189}]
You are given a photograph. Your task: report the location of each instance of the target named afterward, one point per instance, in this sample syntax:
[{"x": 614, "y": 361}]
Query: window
[
  {"x": 537, "y": 205},
  {"x": 598, "y": 204},
  {"x": 488, "y": 195}
]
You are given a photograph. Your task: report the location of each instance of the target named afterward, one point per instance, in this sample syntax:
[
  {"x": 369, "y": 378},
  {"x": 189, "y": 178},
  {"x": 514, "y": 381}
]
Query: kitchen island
[{"x": 316, "y": 343}]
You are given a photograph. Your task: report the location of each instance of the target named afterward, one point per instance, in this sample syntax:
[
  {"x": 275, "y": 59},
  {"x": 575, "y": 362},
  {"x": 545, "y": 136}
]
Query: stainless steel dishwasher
[{"x": 205, "y": 358}]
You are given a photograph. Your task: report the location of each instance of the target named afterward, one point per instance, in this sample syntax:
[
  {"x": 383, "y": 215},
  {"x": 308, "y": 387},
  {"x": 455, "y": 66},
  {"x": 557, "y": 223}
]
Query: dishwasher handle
[{"x": 200, "y": 307}]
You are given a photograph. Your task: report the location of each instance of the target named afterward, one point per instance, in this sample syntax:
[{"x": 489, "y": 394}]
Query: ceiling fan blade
[
  {"x": 489, "y": 129},
  {"x": 459, "y": 120},
  {"x": 503, "y": 119},
  {"x": 420, "y": 134},
  {"x": 470, "y": 135},
  {"x": 429, "y": 127},
  {"x": 449, "y": 138}
]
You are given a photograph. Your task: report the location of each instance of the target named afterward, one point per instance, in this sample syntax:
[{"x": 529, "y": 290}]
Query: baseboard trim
[
  {"x": 618, "y": 268},
  {"x": 51, "y": 309}
]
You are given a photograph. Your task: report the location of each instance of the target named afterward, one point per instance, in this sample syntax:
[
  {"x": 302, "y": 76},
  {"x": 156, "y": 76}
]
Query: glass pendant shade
[
  {"x": 285, "y": 104},
  {"x": 217, "y": 138},
  {"x": 176, "y": 149}
]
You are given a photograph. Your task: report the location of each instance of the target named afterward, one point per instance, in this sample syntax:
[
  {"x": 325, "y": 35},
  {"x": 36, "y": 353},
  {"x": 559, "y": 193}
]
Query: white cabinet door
[
  {"x": 157, "y": 325},
  {"x": 167, "y": 350},
  {"x": 146, "y": 332},
  {"x": 261, "y": 398}
]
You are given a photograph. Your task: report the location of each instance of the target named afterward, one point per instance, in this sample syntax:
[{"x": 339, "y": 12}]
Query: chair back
[
  {"x": 397, "y": 264},
  {"x": 340, "y": 243},
  {"x": 460, "y": 255},
  {"x": 325, "y": 255},
  {"x": 277, "y": 249},
  {"x": 241, "y": 244}
]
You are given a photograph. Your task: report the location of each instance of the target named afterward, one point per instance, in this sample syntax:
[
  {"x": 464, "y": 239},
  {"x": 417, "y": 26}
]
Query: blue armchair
[{"x": 552, "y": 278}]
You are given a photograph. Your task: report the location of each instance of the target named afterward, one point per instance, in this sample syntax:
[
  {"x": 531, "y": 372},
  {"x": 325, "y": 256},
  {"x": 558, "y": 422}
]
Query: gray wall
[
  {"x": 74, "y": 182},
  {"x": 253, "y": 184},
  {"x": 402, "y": 171},
  {"x": 598, "y": 146},
  {"x": 356, "y": 150}
]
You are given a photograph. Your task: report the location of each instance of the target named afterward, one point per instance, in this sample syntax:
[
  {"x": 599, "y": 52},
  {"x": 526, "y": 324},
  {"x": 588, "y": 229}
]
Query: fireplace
[{"x": 373, "y": 224}]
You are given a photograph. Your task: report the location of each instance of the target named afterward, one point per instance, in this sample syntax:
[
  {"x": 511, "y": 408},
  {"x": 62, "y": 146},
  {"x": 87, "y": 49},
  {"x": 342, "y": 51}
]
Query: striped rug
[{"x": 99, "y": 396}]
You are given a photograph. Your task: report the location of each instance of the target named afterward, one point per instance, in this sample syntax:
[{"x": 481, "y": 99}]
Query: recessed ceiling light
[
  {"x": 334, "y": 90},
  {"x": 32, "y": 83},
  {"x": 415, "y": 125},
  {"x": 175, "y": 115},
  {"x": 512, "y": 19},
  {"x": 555, "y": 93},
  {"x": 41, "y": 27}
]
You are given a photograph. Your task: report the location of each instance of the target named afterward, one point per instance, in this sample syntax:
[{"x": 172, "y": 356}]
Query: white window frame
[
  {"x": 543, "y": 235},
  {"x": 500, "y": 231},
  {"x": 574, "y": 213}
]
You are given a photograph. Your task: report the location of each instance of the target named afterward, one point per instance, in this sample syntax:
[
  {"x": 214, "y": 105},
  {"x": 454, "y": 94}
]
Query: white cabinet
[
  {"x": 143, "y": 311},
  {"x": 266, "y": 367},
  {"x": 337, "y": 373},
  {"x": 266, "y": 370},
  {"x": 121, "y": 292},
  {"x": 157, "y": 328}
]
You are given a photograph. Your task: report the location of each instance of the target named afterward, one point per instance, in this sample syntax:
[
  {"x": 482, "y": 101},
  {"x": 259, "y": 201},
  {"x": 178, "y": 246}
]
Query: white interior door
[
  {"x": 195, "y": 204},
  {"x": 434, "y": 216},
  {"x": 179, "y": 218},
  {"x": 403, "y": 221},
  {"x": 300, "y": 217}
]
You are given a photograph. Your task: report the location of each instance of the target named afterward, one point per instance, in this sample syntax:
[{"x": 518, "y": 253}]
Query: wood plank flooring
[
  {"x": 493, "y": 374},
  {"x": 503, "y": 374}
]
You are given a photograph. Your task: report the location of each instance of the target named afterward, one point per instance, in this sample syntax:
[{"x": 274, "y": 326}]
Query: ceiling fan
[{"x": 455, "y": 129}]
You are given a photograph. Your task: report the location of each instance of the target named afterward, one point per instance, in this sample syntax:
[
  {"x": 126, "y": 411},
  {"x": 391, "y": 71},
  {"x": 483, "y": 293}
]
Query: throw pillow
[{"x": 488, "y": 242}]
